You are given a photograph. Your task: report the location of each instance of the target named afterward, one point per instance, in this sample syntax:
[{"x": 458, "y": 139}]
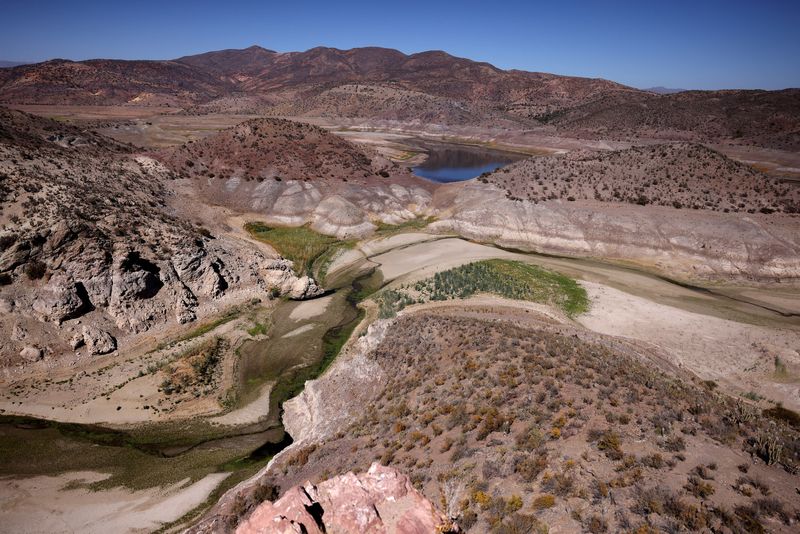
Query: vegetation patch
[
  {"x": 509, "y": 279},
  {"x": 419, "y": 223},
  {"x": 195, "y": 370},
  {"x": 302, "y": 245}
]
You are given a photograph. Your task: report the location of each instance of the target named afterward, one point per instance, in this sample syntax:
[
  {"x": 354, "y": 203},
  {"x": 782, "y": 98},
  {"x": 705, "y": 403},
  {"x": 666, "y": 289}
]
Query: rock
[
  {"x": 32, "y": 353},
  {"x": 98, "y": 341},
  {"x": 76, "y": 341},
  {"x": 135, "y": 278},
  {"x": 6, "y": 305},
  {"x": 15, "y": 255},
  {"x": 279, "y": 276},
  {"x": 61, "y": 299},
  {"x": 18, "y": 333},
  {"x": 305, "y": 288},
  {"x": 380, "y": 500}
]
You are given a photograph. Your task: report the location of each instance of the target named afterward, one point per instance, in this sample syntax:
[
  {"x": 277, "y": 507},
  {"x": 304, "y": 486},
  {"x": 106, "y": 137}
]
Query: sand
[
  {"x": 308, "y": 309},
  {"x": 249, "y": 413},
  {"x": 435, "y": 256},
  {"x": 741, "y": 355},
  {"x": 41, "y": 505},
  {"x": 299, "y": 330}
]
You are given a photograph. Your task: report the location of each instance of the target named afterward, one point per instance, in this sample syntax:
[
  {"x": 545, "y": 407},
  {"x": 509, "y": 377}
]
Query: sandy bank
[{"x": 42, "y": 504}]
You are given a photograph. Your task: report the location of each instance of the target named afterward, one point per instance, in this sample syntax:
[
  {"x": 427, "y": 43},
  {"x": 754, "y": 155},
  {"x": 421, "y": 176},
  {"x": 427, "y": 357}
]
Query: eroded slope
[
  {"x": 90, "y": 250},
  {"x": 513, "y": 427},
  {"x": 295, "y": 173}
]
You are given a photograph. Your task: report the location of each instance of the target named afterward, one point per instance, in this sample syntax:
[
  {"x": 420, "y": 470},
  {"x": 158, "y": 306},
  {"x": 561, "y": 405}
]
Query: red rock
[{"x": 382, "y": 500}]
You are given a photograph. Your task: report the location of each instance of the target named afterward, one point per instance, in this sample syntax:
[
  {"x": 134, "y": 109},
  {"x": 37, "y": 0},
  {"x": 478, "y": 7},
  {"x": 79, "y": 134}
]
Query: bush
[
  {"x": 300, "y": 458},
  {"x": 543, "y": 502},
  {"x": 698, "y": 488},
  {"x": 35, "y": 269},
  {"x": 609, "y": 443}
]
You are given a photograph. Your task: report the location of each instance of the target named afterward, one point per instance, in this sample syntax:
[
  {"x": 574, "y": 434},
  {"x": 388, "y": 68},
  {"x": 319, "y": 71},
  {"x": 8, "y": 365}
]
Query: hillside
[
  {"x": 430, "y": 87},
  {"x": 294, "y": 174},
  {"x": 759, "y": 118},
  {"x": 278, "y": 149},
  {"x": 108, "y": 82},
  {"x": 680, "y": 175},
  {"x": 91, "y": 250},
  {"x": 516, "y": 424}
]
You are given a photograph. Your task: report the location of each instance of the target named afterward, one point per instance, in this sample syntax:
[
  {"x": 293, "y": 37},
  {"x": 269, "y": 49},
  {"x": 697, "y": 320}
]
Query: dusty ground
[
  {"x": 52, "y": 504},
  {"x": 740, "y": 355}
]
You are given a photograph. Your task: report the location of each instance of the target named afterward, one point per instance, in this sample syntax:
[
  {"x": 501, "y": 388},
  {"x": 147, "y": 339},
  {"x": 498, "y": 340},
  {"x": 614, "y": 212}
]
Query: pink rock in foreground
[{"x": 382, "y": 500}]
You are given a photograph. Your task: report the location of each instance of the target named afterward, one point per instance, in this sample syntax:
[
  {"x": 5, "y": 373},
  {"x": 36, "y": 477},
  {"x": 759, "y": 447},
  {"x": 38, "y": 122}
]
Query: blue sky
[{"x": 702, "y": 44}]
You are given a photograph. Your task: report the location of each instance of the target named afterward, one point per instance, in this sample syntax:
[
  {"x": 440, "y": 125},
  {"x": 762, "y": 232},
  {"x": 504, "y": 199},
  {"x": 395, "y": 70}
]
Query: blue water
[{"x": 456, "y": 163}]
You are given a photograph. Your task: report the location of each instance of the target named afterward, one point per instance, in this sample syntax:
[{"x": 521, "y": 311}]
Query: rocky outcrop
[
  {"x": 61, "y": 299},
  {"x": 88, "y": 237},
  {"x": 687, "y": 244},
  {"x": 280, "y": 277},
  {"x": 380, "y": 500},
  {"x": 98, "y": 341},
  {"x": 326, "y": 405}
]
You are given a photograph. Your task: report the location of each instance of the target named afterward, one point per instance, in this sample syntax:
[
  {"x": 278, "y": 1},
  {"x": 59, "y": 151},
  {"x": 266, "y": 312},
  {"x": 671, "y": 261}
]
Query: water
[{"x": 456, "y": 163}]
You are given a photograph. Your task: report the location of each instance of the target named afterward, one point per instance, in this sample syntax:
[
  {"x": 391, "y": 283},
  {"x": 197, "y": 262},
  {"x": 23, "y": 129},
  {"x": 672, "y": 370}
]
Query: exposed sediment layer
[{"x": 688, "y": 244}]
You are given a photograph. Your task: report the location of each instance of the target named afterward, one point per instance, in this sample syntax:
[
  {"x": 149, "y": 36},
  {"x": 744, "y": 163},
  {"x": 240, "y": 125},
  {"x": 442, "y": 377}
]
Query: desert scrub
[
  {"x": 195, "y": 369},
  {"x": 508, "y": 279},
  {"x": 301, "y": 244}
]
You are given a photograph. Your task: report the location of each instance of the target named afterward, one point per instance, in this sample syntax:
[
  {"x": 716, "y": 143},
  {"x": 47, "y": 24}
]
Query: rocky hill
[
  {"x": 91, "y": 251},
  {"x": 515, "y": 423},
  {"x": 679, "y": 175},
  {"x": 295, "y": 173},
  {"x": 109, "y": 82},
  {"x": 760, "y": 118}
]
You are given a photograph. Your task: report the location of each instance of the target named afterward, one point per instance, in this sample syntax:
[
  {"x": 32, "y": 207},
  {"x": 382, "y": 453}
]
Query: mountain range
[{"x": 430, "y": 87}]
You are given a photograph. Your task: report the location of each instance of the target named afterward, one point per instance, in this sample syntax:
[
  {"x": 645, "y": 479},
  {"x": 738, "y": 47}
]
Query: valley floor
[{"x": 739, "y": 340}]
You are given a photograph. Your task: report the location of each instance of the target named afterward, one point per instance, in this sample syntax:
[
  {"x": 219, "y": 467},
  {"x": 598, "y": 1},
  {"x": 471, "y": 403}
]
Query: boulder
[
  {"x": 18, "y": 333},
  {"x": 380, "y": 500},
  {"x": 76, "y": 341},
  {"x": 305, "y": 288},
  {"x": 98, "y": 341},
  {"x": 61, "y": 299},
  {"x": 32, "y": 354}
]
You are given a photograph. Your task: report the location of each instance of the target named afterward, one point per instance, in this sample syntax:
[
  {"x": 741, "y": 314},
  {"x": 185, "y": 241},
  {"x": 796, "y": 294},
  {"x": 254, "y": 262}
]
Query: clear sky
[{"x": 701, "y": 44}]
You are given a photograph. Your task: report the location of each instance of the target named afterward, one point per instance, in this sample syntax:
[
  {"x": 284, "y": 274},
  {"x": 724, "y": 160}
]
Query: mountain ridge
[{"x": 431, "y": 87}]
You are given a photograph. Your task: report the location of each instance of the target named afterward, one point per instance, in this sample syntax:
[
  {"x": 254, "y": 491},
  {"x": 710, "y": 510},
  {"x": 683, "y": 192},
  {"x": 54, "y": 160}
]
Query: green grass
[
  {"x": 509, "y": 279},
  {"x": 302, "y": 245},
  {"x": 414, "y": 224},
  {"x": 258, "y": 329},
  {"x": 324, "y": 260}
]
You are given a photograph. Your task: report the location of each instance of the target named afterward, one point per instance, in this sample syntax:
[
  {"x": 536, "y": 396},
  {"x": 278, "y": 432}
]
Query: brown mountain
[
  {"x": 203, "y": 77},
  {"x": 109, "y": 82},
  {"x": 764, "y": 118},
  {"x": 429, "y": 87}
]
